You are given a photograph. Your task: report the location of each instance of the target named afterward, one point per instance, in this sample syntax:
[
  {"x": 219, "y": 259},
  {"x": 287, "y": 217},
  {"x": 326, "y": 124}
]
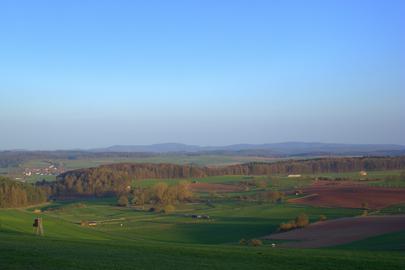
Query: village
[
  {"x": 50, "y": 170},
  {"x": 37, "y": 172}
]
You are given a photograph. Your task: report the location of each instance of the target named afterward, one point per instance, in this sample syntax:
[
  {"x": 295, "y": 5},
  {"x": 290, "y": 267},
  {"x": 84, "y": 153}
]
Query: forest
[
  {"x": 116, "y": 178},
  {"x": 17, "y": 194}
]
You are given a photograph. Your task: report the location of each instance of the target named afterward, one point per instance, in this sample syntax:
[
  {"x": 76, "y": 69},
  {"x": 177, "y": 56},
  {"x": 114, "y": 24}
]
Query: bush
[
  {"x": 256, "y": 242},
  {"x": 272, "y": 196},
  {"x": 83, "y": 223},
  {"x": 261, "y": 184},
  {"x": 322, "y": 218},
  {"x": 122, "y": 201},
  {"x": 301, "y": 221},
  {"x": 169, "y": 208},
  {"x": 243, "y": 242},
  {"x": 287, "y": 226}
]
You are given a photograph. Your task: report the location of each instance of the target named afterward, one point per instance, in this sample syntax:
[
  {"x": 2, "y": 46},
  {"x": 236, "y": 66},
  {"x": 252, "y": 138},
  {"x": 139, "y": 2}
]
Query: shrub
[
  {"x": 122, "y": 201},
  {"x": 301, "y": 221},
  {"x": 272, "y": 196},
  {"x": 243, "y": 242},
  {"x": 169, "y": 208},
  {"x": 214, "y": 195},
  {"x": 287, "y": 226},
  {"x": 83, "y": 223},
  {"x": 256, "y": 242},
  {"x": 261, "y": 184}
]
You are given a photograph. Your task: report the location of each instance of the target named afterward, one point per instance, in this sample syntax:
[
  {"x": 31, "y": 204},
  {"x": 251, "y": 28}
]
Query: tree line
[
  {"x": 116, "y": 178},
  {"x": 17, "y": 194}
]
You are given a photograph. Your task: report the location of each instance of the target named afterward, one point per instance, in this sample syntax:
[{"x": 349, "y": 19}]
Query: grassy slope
[
  {"x": 151, "y": 241},
  {"x": 28, "y": 252},
  {"x": 391, "y": 241}
]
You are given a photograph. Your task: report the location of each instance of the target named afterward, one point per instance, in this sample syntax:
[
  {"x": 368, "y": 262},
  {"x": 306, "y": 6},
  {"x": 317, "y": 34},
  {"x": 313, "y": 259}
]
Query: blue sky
[{"x": 83, "y": 74}]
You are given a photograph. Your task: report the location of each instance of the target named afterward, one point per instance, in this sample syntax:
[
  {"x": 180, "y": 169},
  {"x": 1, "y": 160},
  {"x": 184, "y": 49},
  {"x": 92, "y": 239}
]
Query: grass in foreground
[{"x": 19, "y": 251}]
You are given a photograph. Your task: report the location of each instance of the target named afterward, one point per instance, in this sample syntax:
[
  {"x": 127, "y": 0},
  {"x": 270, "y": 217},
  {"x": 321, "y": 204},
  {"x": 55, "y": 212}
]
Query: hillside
[
  {"x": 272, "y": 149},
  {"x": 116, "y": 177}
]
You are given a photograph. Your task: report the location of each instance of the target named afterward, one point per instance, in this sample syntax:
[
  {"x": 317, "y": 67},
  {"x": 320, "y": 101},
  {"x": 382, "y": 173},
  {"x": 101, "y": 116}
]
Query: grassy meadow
[
  {"x": 168, "y": 241},
  {"x": 132, "y": 238}
]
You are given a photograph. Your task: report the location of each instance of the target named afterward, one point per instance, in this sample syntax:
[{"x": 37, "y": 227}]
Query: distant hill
[
  {"x": 153, "y": 148},
  {"x": 272, "y": 149}
]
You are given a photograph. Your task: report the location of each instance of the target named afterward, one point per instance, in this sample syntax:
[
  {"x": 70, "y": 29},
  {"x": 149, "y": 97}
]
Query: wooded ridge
[{"x": 115, "y": 178}]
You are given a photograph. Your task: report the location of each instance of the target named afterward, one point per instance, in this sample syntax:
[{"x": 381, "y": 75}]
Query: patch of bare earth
[
  {"x": 208, "y": 187},
  {"x": 340, "y": 231},
  {"x": 349, "y": 194}
]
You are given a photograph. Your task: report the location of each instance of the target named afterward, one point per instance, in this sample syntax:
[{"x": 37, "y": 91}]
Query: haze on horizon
[{"x": 88, "y": 74}]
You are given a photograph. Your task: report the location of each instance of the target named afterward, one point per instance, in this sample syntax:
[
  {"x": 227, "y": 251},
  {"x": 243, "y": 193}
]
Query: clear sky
[{"x": 83, "y": 74}]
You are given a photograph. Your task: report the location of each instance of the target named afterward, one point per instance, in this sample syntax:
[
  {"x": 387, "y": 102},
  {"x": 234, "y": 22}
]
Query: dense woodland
[
  {"x": 17, "y": 194},
  {"x": 116, "y": 178}
]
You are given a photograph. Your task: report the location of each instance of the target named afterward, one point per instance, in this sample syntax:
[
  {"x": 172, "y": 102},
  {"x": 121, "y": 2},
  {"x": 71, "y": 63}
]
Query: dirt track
[
  {"x": 350, "y": 195},
  {"x": 340, "y": 231}
]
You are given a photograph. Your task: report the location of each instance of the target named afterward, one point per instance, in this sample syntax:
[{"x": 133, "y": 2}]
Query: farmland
[
  {"x": 78, "y": 162},
  {"x": 188, "y": 135},
  {"x": 131, "y": 237},
  {"x": 147, "y": 239}
]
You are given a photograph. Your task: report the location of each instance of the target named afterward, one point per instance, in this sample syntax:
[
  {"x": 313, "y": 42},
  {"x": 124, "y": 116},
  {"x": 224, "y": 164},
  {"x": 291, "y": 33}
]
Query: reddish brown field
[
  {"x": 349, "y": 194},
  {"x": 207, "y": 187},
  {"x": 340, "y": 231}
]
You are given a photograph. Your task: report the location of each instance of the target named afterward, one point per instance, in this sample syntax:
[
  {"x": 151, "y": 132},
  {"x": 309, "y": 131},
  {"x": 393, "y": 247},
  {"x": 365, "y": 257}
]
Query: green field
[
  {"x": 391, "y": 241},
  {"x": 148, "y": 240},
  {"x": 169, "y": 241}
]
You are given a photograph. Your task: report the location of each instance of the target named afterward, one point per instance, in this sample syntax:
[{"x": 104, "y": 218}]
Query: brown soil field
[
  {"x": 207, "y": 187},
  {"x": 349, "y": 194},
  {"x": 340, "y": 231}
]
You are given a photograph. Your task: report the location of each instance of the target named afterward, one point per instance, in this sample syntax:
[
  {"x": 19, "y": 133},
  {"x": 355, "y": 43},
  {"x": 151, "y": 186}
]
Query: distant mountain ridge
[{"x": 271, "y": 149}]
